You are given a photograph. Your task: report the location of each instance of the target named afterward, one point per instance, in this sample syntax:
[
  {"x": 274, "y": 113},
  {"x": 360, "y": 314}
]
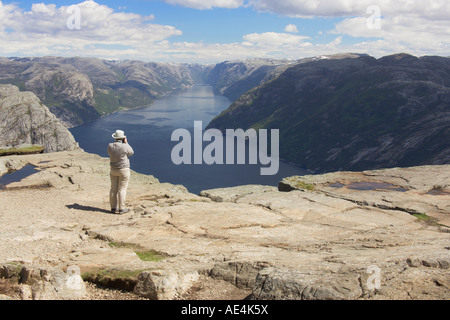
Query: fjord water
[{"x": 149, "y": 132}]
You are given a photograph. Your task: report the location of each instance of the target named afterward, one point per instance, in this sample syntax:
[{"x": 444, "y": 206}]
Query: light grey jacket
[{"x": 119, "y": 153}]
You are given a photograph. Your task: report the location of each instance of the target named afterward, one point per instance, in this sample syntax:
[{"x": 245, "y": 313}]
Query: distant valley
[{"x": 77, "y": 90}]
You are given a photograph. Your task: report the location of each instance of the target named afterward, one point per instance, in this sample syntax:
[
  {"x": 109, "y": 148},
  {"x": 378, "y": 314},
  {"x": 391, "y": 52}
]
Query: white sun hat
[{"x": 119, "y": 134}]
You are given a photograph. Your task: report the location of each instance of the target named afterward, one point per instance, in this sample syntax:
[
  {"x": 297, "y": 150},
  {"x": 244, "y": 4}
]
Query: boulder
[
  {"x": 47, "y": 284},
  {"x": 165, "y": 284}
]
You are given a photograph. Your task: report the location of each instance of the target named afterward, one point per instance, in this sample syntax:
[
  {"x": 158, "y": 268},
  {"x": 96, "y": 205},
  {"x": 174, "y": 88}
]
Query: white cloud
[
  {"x": 103, "y": 33},
  {"x": 405, "y": 28},
  {"x": 274, "y": 39},
  {"x": 98, "y": 23},
  {"x": 292, "y": 28},
  {"x": 414, "y": 26},
  {"x": 114, "y": 35},
  {"x": 209, "y": 4},
  {"x": 431, "y": 9},
  {"x": 414, "y": 33},
  {"x": 41, "y": 8},
  {"x": 310, "y": 8}
]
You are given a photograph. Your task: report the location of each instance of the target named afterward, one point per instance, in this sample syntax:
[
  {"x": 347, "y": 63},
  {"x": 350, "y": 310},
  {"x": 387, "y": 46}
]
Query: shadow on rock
[{"x": 87, "y": 208}]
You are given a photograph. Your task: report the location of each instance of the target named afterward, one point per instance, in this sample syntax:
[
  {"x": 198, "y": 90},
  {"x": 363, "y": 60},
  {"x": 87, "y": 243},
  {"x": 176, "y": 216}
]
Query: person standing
[{"x": 119, "y": 151}]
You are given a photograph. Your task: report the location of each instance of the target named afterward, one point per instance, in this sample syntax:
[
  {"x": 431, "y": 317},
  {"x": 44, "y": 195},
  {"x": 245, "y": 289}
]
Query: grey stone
[
  {"x": 25, "y": 120},
  {"x": 164, "y": 284},
  {"x": 276, "y": 284},
  {"x": 240, "y": 273},
  {"x": 47, "y": 284}
]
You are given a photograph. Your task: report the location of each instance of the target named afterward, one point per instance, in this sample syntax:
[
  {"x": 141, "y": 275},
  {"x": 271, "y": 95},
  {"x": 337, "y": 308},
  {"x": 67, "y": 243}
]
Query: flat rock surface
[{"x": 321, "y": 240}]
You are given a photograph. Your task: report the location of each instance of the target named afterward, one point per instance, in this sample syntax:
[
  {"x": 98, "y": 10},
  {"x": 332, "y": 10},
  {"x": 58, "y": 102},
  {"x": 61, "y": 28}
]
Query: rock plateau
[{"x": 329, "y": 236}]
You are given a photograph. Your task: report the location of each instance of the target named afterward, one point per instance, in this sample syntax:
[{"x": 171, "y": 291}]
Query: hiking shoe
[
  {"x": 123, "y": 211},
  {"x": 113, "y": 210}
]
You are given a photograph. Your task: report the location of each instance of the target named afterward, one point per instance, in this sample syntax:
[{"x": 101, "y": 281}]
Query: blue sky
[
  {"x": 217, "y": 30},
  {"x": 222, "y": 25}
]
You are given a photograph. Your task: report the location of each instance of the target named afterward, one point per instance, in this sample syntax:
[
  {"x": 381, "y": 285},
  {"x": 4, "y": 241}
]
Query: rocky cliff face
[
  {"x": 353, "y": 112},
  {"x": 25, "y": 120}
]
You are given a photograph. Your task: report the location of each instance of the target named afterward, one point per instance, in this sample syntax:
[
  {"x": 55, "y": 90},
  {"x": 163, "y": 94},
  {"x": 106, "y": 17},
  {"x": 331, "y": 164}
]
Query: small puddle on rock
[
  {"x": 16, "y": 176},
  {"x": 369, "y": 186},
  {"x": 438, "y": 192},
  {"x": 337, "y": 185},
  {"x": 374, "y": 186}
]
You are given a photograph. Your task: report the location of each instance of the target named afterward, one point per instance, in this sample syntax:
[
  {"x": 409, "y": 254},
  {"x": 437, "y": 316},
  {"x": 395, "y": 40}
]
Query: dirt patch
[{"x": 10, "y": 288}]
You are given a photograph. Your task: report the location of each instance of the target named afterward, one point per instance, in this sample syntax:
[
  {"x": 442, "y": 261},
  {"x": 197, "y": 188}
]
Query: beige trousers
[{"x": 119, "y": 185}]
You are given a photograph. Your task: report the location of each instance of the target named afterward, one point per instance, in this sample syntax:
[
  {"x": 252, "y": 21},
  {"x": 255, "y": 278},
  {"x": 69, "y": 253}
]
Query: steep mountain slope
[
  {"x": 25, "y": 120},
  {"x": 353, "y": 112}
]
